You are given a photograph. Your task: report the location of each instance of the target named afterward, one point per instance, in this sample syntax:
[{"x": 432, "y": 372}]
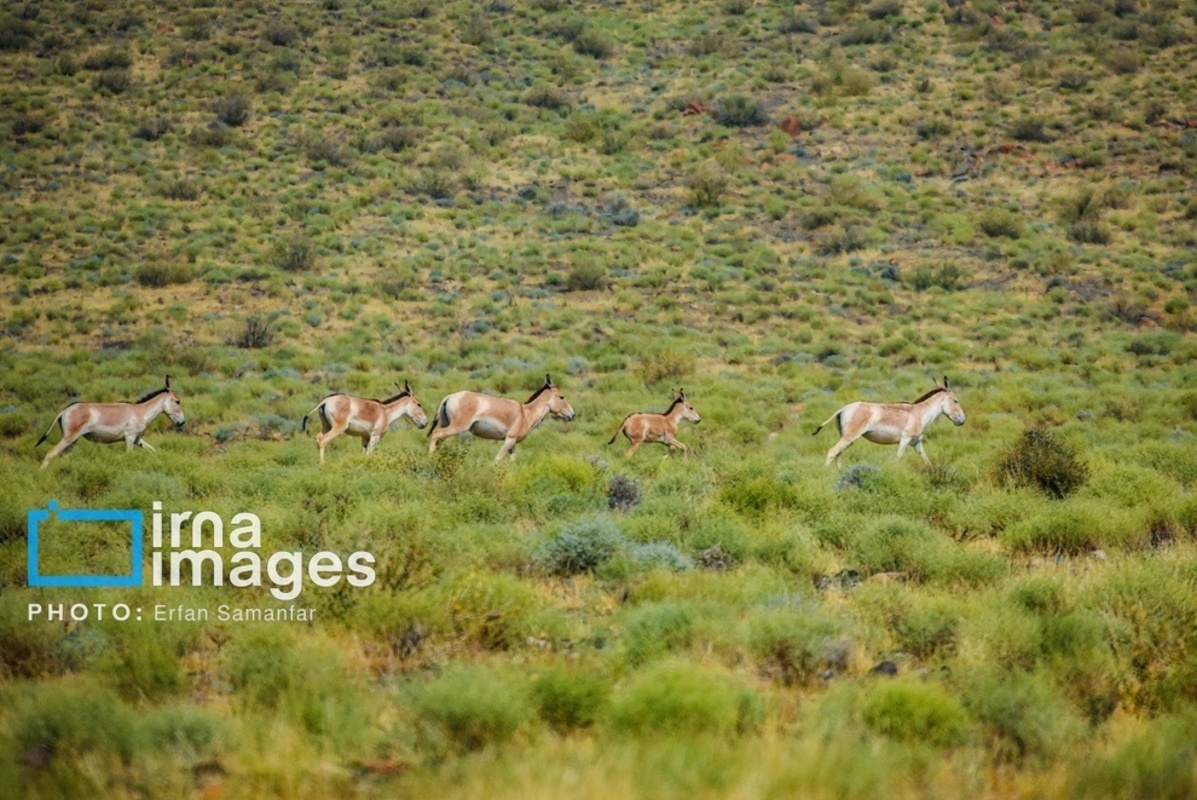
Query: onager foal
[
  {"x": 658, "y": 428},
  {"x": 366, "y": 419},
  {"x": 497, "y": 418},
  {"x": 894, "y": 423},
  {"x": 111, "y": 422}
]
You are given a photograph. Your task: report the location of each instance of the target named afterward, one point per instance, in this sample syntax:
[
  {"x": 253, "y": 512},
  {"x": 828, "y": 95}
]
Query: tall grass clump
[
  {"x": 910, "y": 711},
  {"x": 62, "y": 722},
  {"x": 469, "y": 708},
  {"x": 795, "y": 647},
  {"x": 1021, "y": 714},
  {"x": 1041, "y": 460},
  {"x": 655, "y": 630},
  {"x": 569, "y": 699},
  {"x": 1154, "y": 762},
  {"x": 740, "y": 111},
  {"x": 680, "y": 699}
]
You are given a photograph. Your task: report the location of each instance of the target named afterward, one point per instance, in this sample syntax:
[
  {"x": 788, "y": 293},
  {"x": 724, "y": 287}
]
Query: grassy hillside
[{"x": 780, "y": 207}]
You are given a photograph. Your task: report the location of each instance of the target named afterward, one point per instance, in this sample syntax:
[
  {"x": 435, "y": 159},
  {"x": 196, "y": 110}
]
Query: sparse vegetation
[{"x": 779, "y": 207}]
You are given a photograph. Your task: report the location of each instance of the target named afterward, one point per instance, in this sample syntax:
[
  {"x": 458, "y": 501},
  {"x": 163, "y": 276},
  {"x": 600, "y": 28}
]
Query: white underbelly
[{"x": 488, "y": 429}]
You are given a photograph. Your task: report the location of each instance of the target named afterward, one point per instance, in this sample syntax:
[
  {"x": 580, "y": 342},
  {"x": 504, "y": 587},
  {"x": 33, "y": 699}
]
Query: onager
[
  {"x": 894, "y": 423},
  {"x": 497, "y": 418},
  {"x": 111, "y": 422},
  {"x": 366, "y": 419},
  {"x": 658, "y": 428}
]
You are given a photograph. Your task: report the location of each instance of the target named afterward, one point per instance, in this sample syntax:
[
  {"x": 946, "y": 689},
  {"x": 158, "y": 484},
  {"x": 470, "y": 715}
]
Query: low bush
[
  {"x": 910, "y": 711},
  {"x": 65, "y": 721},
  {"x": 740, "y": 111},
  {"x": 256, "y": 333},
  {"x": 681, "y": 699},
  {"x": 795, "y": 647},
  {"x": 1022, "y": 715},
  {"x": 232, "y": 109},
  {"x": 569, "y": 699},
  {"x": 579, "y": 548},
  {"x": 469, "y": 708},
  {"x": 656, "y": 630},
  {"x": 1041, "y": 460}
]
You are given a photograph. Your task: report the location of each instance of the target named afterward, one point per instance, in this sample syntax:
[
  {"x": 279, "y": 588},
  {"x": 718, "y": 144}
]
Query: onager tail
[
  {"x": 304, "y": 426},
  {"x": 620, "y": 430},
  {"x": 834, "y": 416},
  {"x": 441, "y": 417},
  {"x": 57, "y": 420}
]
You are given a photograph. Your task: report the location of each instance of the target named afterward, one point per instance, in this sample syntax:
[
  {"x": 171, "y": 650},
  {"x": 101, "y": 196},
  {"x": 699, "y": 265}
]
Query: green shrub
[
  {"x": 1030, "y": 129},
  {"x": 65, "y": 721},
  {"x": 1154, "y": 762},
  {"x": 231, "y": 109},
  {"x": 596, "y": 44},
  {"x": 579, "y": 548},
  {"x": 1073, "y": 528},
  {"x": 470, "y": 707},
  {"x": 586, "y": 276},
  {"x": 915, "y": 712},
  {"x": 549, "y": 97},
  {"x": 568, "y": 699},
  {"x": 706, "y": 187},
  {"x": 995, "y": 222},
  {"x": 794, "y": 647},
  {"x": 1022, "y": 715},
  {"x": 257, "y": 332},
  {"x": 739, "y": 111},
  {"x": 1040, "y": 460},
  {"x": 681, "y": 699},
  {"x": 114, "y": 81},
  {"x": 294, "y": 255},
  {"x": 928, "y": 629},
  {"x": 757, "y": 494},
  {"x": 656, "y": 630},
  {"x": 663, "y": 365},
  {"x": 194, "y": 732}
]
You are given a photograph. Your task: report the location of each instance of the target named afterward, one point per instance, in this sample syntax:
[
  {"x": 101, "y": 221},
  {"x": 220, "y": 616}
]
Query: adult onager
[
  {"x": 366, "y": 419},
  {"x": 490, "y": 417},
  {"x": 658, "y": 428},
  {"x": 111, "y": 422},
  {"x": 894, "y": 423}
]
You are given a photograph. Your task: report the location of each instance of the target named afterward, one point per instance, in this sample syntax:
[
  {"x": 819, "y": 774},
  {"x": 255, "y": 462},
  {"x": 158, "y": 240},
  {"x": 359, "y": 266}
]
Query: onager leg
[
  {"x": 673, "y": 443},
  {"x": 143, "y": 443},
  {"x": 508, "y": 448},
  {"x": 843, "y": 444},
  {"x": 58, "y": 449},
  {"x": 330, "y": 432}
]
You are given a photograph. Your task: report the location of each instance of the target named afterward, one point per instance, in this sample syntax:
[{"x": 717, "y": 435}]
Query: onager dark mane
[
  {"x": 538, "y": 393},
  {"x": 929, "y": 394},
  {"x": 399, "y": 396},
  {"x": 152, "y": 395}
]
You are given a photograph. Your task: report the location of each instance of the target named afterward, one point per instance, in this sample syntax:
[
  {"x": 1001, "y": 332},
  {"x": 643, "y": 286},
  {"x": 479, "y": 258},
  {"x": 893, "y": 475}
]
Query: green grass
[{"x": 772, "y": 208}]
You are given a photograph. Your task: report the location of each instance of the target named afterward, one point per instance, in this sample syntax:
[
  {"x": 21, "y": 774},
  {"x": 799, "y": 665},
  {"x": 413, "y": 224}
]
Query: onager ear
[
  {"x": 945, "y": 383},
  {"x": 548, "y": 381},
  {"x": 406, "y": 386},
  {"x": 168, "y": 383}
]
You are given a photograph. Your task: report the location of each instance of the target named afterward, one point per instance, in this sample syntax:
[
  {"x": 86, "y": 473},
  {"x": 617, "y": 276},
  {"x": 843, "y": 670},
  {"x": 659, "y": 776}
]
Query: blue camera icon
[{"x": 133, "y": 516}]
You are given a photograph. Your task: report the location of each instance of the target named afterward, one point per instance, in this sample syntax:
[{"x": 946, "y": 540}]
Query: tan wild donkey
[
  {"x": 894, "y": 423},
  {"x": 366, "y": 419},
  {"x": 112, "y": 422},
  {"x": 490, "y": 417},
  {"x": 658, "y": 428}
]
